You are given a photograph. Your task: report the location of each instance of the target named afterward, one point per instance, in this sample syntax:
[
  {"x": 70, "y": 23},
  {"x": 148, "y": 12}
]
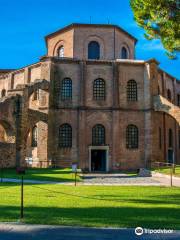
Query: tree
[{"x": 160, "y": 20}]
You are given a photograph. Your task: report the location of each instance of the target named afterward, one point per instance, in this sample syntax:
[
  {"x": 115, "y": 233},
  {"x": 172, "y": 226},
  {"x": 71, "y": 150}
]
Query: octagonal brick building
[{"x": 88, "y": 100}]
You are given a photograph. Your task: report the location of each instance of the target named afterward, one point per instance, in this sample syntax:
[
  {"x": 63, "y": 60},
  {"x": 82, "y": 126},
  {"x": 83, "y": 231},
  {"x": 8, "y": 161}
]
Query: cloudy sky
[{"x": 24, "y": 23}]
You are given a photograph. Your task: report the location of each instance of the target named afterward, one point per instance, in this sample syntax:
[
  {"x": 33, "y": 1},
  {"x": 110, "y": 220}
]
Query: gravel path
[
  {"x": 119, "y": 179},
  {"x": 112, "y": 179}
]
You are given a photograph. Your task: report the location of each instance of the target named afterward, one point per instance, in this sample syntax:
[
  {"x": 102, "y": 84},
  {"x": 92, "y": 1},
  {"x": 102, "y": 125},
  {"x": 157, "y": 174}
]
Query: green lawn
[
  {"x": 116, "y": 206},
  {"x": 46, "y": 174},
  {"x": 167, "y": 170}
]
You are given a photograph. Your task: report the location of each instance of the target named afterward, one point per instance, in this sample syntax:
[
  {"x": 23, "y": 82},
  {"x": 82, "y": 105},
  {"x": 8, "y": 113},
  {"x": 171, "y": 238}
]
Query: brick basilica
[{"x": 88, "y": 100}]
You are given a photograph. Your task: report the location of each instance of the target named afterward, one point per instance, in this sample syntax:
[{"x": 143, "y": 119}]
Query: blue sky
[{"x": 24, "y": 23}]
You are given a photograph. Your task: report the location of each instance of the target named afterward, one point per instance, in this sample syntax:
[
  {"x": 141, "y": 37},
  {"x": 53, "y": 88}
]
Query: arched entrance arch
[
  {"x": 7, "y": 145},
  {"x": 36, "y": 144},
  {"x": 162, "y": 104},
  {"x": 7, "y": 133},
  {"x": 38, "y": 95}
]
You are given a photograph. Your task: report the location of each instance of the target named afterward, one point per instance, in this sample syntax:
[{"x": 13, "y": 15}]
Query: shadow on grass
[
  {"x": 42, "y": 174},
  {"x": 96, "y": 216}
]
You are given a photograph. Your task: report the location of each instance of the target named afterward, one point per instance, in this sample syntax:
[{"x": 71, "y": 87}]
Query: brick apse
[{"x": 88, "y": 100}]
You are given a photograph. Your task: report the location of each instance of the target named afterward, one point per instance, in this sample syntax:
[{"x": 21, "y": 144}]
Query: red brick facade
[{"x": 33, "y": 98}]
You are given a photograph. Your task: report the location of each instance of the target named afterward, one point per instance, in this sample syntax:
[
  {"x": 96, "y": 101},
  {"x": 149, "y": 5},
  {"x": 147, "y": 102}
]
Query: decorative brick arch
[
  {"x": 96, "y": 39},
  {"x": 57, "y": 45},
  {"x": 38, "y": 84},
  {"x": 9, "y": 131},
  {"x": 161, "y": 104}
]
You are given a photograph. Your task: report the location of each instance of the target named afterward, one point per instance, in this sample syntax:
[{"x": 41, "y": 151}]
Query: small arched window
[
  {"x": 93, "y": 50},
  {"x": 66, "y": 89},
  {"x": 98, "y": 135},
  {"x": 60, "y": 51},
  {"x": 169, "y": 95},
  {"x": 132, "y": 137},
  {"x": 170, "y": 138},
  {"x": 132, "y": 94},
  {"x": 99, "y": 89},
  {"x": 3, "y": 93},
  {"x": 65, "y": 136},
  {"x": 36, "y": 95},
  {"x": 124, "y": 53},
  {"x": 34, "y": 137}
]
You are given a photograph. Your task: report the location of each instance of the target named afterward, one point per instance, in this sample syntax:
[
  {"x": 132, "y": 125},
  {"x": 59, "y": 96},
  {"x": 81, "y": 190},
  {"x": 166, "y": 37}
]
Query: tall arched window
[
  {"x": 98, "y": 135},
  {"x": 34, "y": 137},
  {"x": 60, "y": 51},
  {"x": 169, "y": 95},
  {"x": 178, "y": 100},
  {"x": 160, "y": 138},
  {"x": 66, "y": 89},
  {"x": 132, "y": 94},
  {"x": 170, "y": 138},
  {"x": 3, "y": 93},
  {"x": 93, "y": 50},
  {"x": 65, "y": 136},
  {"x": 99, "y": 89},
  {"x": 124, "y": 53},
  {"x": 132, "y": 137}
]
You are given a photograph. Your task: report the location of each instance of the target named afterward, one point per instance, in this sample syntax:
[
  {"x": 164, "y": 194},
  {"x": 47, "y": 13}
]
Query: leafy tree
[{"x": 161, "y": 20}]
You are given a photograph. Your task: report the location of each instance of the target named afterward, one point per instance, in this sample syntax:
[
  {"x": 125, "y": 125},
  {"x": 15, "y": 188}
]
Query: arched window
[
  {"x": 132, "y": 137},
  {"x": 66, "y": 89},
  {"x": 99, "y": 89},
  {"x": 60, "y": 51},
  {"x": 169, "y": 95},
  {"x": 132, "y": 90},
  {"x": 93, "y": 50},
  {"x": 65, "y": 136},
  {"x": 34, "y": 137},
  {"x": 178, "y": 100},
  {"x": 170, "y": 138},
  {"x": 36, "y": 95},
  {"x": 160, "y": 138},
  {"x": 3, "y": 93},
  {"x": 98, "y": 135},
  {"x": 124, "y": 53}
]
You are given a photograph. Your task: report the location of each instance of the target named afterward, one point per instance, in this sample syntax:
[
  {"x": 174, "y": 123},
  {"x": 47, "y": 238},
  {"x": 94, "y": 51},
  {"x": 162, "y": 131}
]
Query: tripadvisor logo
[{"x": 138, "y": 231}]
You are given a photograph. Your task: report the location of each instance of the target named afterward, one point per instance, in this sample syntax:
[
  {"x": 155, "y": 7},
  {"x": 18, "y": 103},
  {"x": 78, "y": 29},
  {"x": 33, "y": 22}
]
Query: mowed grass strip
[
  {"x": 43, "y": 174},
  {"x": 100, "y": 206}
]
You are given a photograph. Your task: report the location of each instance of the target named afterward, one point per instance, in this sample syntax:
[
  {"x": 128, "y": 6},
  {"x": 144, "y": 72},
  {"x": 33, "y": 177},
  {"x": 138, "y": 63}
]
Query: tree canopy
[{"x": 160, "y": 20}]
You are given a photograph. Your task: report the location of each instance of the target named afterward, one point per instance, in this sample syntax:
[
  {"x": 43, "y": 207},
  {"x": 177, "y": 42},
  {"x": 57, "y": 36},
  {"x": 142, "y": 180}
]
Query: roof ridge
[{"x": 89, "y": 25}]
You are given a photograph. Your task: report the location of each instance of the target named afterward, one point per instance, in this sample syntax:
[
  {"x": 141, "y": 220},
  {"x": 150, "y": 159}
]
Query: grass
[
  {"x": 43, "y": 174},
  {"x": 167, "y": 170},
  {"x": 100, "y": 206}
]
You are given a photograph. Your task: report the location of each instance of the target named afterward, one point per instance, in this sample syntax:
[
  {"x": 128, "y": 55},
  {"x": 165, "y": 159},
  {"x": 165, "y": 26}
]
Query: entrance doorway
[
  {"x": 170, "y": 156},
  {"x": 98, "y": 160}
]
